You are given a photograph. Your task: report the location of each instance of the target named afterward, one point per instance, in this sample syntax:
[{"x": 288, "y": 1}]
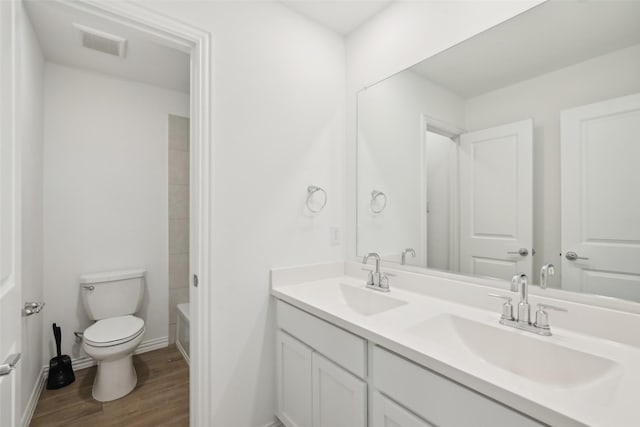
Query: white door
[
  {"x": 496, "y": 200},
  {"x": 601, "y": 198},
  {"x": 9, "y": 224},
  {"x": 387, "y": 413},
  {"x": 339, "y": 398},
  {"x": 293, "y": 381}
]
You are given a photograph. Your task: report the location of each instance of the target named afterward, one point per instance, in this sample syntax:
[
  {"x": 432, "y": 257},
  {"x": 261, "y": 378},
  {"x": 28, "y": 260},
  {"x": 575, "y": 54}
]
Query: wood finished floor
[{"x": 161, "y": 397}]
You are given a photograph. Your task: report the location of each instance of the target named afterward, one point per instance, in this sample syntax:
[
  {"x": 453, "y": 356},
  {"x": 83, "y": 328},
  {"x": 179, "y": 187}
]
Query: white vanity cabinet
[
  {"x": 323, "y": 378},
  {"x": 320, "y": 372}
]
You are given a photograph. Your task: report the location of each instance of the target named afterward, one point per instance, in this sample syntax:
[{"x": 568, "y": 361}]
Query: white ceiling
[
  {"x": 338, "y": 15},
  {"x": 146, "y": 60},
  {"x": 551, "y": 36}
]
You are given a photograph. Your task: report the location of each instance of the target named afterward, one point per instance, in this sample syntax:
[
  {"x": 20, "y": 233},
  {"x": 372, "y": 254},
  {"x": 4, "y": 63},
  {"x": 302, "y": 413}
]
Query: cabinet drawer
[
  {"x": 388, "y": 413},
  {"x": 344, "y": 348},
  {"x": 437, "y": 399}
]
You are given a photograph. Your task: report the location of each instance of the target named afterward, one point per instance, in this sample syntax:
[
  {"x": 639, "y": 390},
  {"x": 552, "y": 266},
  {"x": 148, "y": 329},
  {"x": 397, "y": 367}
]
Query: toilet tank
[{"x": 112, "y": 293}]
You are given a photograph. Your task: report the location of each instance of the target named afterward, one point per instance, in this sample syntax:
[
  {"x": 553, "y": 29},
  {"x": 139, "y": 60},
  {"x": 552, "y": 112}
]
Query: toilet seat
[{"x": 113, "y": 331}]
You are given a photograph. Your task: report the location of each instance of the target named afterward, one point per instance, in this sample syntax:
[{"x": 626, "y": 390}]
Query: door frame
[
  {"x": 431, "y": 124},
  {"x": 198, "y": 43},
  {"x": 13, "y": 280}
]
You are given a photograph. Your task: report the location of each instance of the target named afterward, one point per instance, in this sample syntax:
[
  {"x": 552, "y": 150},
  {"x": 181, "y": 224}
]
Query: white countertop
[{"x": 610, "y": 400}]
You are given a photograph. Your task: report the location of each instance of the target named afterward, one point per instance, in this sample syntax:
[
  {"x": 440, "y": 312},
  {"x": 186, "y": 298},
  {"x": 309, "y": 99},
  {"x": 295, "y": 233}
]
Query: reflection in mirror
[{"x": 512, "y": 150}]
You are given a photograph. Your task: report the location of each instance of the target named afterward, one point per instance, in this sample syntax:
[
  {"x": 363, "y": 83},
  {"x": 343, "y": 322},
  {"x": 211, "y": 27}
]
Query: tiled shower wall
[{"x": 178, "y": 217}]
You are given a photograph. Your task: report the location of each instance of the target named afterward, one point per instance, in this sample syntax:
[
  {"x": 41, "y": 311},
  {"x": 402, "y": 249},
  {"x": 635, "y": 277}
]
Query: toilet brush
[{"x": 60, "y": 369}]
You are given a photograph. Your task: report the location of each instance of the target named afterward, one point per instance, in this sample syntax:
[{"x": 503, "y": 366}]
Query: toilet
[{"x": 112, "y": 299}]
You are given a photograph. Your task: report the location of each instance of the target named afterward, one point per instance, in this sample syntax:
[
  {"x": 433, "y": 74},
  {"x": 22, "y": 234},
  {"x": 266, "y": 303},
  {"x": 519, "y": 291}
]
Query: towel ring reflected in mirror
[
  {"x": 376, "y": 207},
  {"x": 311, "y": 190}
]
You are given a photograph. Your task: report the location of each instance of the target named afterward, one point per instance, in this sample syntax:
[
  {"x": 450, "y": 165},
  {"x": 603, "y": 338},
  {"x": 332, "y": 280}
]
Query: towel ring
[
  {"x": 311, "y": 190},
  {"x": 375, "y": 194}
]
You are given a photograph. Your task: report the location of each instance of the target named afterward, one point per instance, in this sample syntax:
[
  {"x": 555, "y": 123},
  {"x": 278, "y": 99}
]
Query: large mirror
[{"x": 517, "y": 148}]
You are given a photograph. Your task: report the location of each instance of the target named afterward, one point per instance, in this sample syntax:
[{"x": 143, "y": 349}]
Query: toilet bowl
[
  {"x": 111, "y": 342},
  {"x": 111, "y": 299}
]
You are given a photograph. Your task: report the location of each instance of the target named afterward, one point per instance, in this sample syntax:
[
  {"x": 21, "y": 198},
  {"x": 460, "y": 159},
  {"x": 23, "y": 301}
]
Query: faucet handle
[
  {"x": 504, "y": 297},
  {"x": 546, "y": 271},
  {"x": 542, "y": 317},
  {"x": 542, "y": 306},
  {"x": 507, "y": 308},
  {"x": 384, "y": 281}
]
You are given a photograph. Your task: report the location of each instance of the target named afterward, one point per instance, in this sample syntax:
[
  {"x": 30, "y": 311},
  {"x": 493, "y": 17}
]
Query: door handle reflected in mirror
[
  {"x": 572, "y": 256},
  {"x": 521, "y": 252}
]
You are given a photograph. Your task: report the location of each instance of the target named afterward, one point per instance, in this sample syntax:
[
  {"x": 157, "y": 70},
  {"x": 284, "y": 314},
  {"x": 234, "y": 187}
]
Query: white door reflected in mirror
[
  {"x": 496, "y": 200},
  {"x": 600, "y": 203}
]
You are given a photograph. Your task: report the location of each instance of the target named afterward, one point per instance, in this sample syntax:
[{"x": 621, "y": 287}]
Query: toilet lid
[{"x": 113, "y": 331}]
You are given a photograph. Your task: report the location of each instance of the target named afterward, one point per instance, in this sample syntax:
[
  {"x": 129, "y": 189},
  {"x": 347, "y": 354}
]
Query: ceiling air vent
[{"x": 101, "y": 41}]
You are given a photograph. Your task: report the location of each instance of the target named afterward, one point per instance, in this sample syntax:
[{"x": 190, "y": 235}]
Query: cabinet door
[
  {"x": 293, "y": 381},
  {"x": 339, "y": 398},
  {"x": 387, "y": 413}
]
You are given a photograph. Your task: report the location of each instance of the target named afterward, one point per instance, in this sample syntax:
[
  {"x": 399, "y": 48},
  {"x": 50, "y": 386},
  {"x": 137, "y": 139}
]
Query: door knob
[
  {"x": 521, "y": 252},
  {"x": 572, "y": 256},
  {"x": 32, "y": 308},
  {"x": 9, "y": 364}
]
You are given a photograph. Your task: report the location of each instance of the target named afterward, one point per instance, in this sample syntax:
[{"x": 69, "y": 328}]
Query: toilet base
[{"x": 114, "y": 379}]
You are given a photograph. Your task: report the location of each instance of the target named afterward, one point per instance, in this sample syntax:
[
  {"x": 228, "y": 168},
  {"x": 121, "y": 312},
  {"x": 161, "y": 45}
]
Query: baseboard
[
  {"x": 145, "y": 346},
  {"x": 154, "y": 344},
  {"x": 184, "y": 353},
  {"x": 33, "y": 399}
]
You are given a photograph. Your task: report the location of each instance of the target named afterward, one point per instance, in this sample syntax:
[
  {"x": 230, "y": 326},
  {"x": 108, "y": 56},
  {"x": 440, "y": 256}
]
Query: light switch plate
[{"x": 334, "y": 236}]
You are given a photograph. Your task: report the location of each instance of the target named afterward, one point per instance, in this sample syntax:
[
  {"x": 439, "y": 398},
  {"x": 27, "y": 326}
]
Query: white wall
[
  {"x": 105, "y": 192},
  {"x": 403, "y": 34},
  {"x": 279, "y": 101},
  {"x": 391, "y": 159},
  {"x": 542, "y": 98},
  {"x": 29, "y": 132}
]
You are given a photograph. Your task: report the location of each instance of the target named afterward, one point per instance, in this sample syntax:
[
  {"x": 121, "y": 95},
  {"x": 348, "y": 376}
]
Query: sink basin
[
  {"x": 366, "y": 302},
  {"x": 535, "y": 359}
]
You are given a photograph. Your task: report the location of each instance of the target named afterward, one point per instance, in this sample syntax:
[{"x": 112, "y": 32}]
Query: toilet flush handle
[{"x": 88, "y": 287}]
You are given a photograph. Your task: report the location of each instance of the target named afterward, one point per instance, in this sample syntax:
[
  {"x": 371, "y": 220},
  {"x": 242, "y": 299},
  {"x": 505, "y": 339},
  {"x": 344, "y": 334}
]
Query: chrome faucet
[
  {"x": 522, "y": 320},
  {"x": 377, "y": 280},
  {"x": 519, "y": 282},
  {"x": 404, "y": 255},
  {"x": 546, "y": 271}
]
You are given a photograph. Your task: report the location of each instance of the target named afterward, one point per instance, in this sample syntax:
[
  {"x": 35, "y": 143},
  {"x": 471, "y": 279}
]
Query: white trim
[
  {"x": 30, "y": 409},
  {"x": 430, "y": 124},
  {"x": 440, "y": 127},
  {"x": 78, "y": 363},
  {"x": 144, "y": 347},
  {"x": 198, "y": 43},
  {"x": 424, "y": 192},
  {"x": 153, "y": 344},
  {"x": 183, "y": 352},
  {"x": 454, "y": 205}
]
